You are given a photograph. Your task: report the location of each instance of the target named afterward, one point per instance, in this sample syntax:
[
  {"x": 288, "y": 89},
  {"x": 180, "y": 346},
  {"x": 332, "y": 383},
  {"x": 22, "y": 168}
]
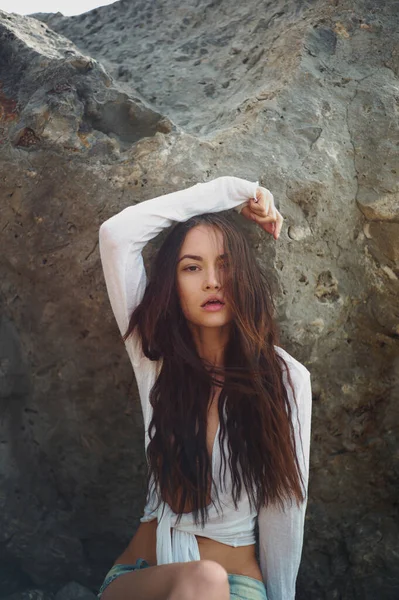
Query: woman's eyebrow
[
  {"x": 192, "y": 256},
  {"x": 199, "y": 258}
]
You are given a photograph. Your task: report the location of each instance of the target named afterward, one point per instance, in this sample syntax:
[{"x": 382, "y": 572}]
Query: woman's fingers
[
  {"x": 263, "y": 212},
  {"x": 264, "y": 203},
  {"x": 264, "y": 206},
  {"x": 279, "y": 223},
  {"x": 272, "y": 227},
  {"x": 275, "y": 227},
  {"x": 258, "y": 208}
]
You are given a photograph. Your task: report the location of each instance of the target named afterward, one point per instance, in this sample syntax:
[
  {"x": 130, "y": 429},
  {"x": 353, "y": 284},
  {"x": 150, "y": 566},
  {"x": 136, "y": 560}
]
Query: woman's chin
[
  {"x": 209, "y": 319},
  {"x": 214, "y": 320}
]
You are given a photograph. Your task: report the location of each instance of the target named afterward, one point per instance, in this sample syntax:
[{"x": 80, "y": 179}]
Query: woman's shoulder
[{"x": 297, "y": 370}]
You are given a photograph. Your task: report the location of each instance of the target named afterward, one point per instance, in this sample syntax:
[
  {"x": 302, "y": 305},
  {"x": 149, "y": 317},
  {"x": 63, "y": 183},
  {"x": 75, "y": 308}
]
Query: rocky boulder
[{"x": 302, "y": 96}]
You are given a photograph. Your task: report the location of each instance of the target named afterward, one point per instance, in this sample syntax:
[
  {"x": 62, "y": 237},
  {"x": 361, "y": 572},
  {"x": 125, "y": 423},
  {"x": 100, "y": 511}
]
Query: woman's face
[{"x": 199, "y": 275}]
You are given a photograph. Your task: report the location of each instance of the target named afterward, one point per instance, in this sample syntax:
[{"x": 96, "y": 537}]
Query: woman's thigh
[{"x": 142, "y": 582}]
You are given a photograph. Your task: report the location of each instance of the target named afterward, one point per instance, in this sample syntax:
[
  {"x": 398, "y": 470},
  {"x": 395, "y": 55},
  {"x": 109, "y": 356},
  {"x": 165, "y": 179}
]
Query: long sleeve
[
  {"x": 123, "y": 237},
  {"x": 281, "y": 532}
]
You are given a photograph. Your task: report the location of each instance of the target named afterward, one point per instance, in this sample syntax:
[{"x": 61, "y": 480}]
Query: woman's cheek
[{"x": 185, "y": 303}]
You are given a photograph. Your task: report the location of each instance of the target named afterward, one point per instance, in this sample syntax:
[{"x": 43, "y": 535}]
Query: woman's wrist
[{"x": 245, "y": 203}]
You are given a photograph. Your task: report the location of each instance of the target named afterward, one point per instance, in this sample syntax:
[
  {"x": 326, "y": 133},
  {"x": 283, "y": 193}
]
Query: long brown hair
[{"x": 260, "y": 431}]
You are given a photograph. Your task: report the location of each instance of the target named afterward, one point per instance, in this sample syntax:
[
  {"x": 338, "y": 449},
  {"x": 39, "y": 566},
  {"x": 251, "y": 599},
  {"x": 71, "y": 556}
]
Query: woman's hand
[{"x": 263, "y": 212}]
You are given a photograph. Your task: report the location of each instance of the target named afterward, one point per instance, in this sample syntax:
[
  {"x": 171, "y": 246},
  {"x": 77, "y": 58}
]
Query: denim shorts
[{"x": 241, "y": 586}]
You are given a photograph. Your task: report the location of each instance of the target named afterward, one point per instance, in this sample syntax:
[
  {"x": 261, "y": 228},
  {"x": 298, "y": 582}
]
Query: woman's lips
[{"x": 213, "y": 307}]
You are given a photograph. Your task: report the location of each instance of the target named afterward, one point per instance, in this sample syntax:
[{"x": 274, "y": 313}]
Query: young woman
[{"x": 226, "y": 410}]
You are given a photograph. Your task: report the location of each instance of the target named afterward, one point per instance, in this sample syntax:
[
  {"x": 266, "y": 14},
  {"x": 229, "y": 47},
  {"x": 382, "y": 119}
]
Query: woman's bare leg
[{"x": 197, "y": 580}]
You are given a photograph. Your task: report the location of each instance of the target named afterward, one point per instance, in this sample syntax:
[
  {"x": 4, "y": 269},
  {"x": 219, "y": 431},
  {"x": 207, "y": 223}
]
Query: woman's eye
[{"x": 190, "y": 268}]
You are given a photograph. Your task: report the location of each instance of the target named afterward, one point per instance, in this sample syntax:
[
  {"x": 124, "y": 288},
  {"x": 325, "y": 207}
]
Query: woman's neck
[{"x": 211, "y": 343}]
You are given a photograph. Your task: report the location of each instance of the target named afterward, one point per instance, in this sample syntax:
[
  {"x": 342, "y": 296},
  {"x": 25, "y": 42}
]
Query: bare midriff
[{"x": 237, "y": 561}]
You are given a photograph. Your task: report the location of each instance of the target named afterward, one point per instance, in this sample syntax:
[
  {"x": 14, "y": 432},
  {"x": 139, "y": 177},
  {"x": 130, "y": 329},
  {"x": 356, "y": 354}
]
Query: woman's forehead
[{"x": 205, "y": 237}]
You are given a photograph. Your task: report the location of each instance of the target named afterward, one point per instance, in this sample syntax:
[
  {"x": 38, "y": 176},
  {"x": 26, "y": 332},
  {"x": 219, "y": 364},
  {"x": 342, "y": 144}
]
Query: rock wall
[{"x": 302, "y": 96}]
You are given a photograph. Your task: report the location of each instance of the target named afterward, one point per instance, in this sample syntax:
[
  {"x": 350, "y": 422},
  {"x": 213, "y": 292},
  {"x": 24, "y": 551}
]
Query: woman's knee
[
  {"x": 202, "y": 579},
  {"x": 210, "y": 571}
]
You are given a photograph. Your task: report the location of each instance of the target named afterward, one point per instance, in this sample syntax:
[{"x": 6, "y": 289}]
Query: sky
[{"x": 66, "y": 7}]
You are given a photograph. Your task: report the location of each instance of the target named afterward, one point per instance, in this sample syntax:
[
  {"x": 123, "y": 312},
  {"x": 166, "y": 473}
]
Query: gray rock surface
[
  {"x": 74, "y": 591},
  {"x": 302, "y": 96},
  {"x": 30, "y": 594}
]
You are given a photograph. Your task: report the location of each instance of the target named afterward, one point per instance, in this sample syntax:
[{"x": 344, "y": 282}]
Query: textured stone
[
  {"x": 301, "y": 96},
  {"x": 30, "y": 594},
  {"x": 74, "y": 591},
  {"x": 386, "y": 242},
  {"x": 384, "y": 207}
]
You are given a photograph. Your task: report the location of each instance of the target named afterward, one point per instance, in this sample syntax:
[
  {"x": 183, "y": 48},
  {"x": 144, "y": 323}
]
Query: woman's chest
[
  {"x": 213, "y": 421},
  {"x": 212, "y": 429}
]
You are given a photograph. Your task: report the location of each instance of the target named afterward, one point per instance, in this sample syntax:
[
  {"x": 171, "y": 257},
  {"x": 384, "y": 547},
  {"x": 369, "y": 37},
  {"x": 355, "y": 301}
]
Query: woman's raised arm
[{"x": 123, "y": 237}]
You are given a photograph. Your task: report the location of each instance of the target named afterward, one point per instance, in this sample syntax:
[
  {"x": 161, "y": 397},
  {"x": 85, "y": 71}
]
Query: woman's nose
[{"x": 212, "y": 279}]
